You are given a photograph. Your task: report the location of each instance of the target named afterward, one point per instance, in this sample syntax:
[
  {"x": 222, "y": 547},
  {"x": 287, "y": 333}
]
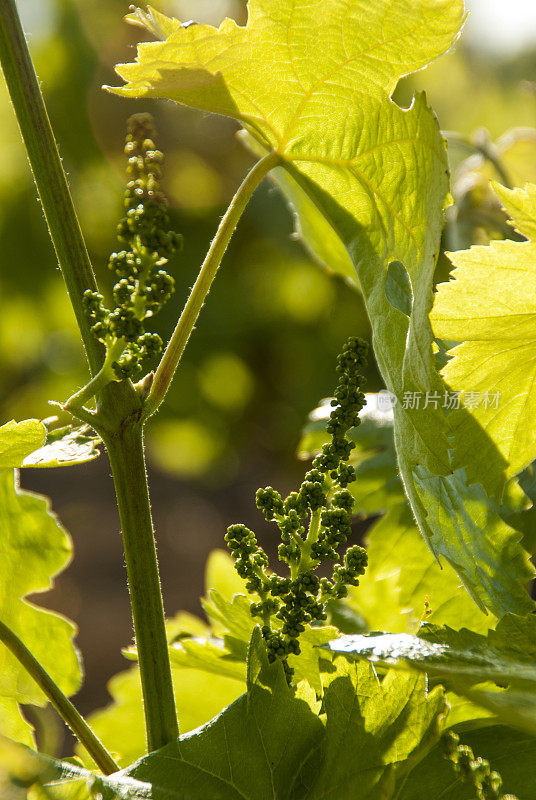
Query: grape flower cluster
[
  {"x": 143, "y": 285},
  {"x": 314, "y": 523},
  {"x": 474, "y": 771}
]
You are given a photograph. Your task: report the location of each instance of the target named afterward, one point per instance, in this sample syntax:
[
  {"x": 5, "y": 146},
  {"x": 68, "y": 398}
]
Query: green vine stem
[
  {"x": 173, "y": 353},
  {"x": 125, "y": 451},
  {"x": 48, "y": 172},
  {"x": 61, "y": 703}
]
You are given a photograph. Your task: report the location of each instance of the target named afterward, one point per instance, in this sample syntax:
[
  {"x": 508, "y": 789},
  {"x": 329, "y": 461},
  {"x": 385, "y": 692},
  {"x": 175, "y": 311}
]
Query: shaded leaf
[
  {"x": 509, "y": 752},
  {"x": 65, "y": 447},
  {"x": 515, "y": 708},
  {"x": 254, "y": 749},
  {"x": 498, "y": 565},
  {"x": 375, "y": 731}
]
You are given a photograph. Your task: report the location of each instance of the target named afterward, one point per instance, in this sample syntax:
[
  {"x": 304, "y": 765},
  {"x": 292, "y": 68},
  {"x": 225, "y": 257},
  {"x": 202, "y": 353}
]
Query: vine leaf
[
  {"x": 18, "y": 439},
  {"x": 404, "y": 582},
  {"x": 316, "y": 88},
  {"x": 370, "y": 740},
  {"x": 233, "y": 620},
  {"x": 65, "y": 447},
  {"x": 490, "y": 306},
  {"x": 375, "y": 732},
  {"x": 33, "y": 549},
  {"x": 506, "y": 655},
  {"x": 305, "y": 84},
  {"x": 467, "y": 662},
  {"x": 29, "y": 444},
  {"x": 276, "y": 731}
]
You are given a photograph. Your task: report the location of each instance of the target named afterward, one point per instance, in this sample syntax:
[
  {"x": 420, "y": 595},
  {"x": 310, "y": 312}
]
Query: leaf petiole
[
  {"x": 61, "y": 702},
  {"x": 175, "y": 348}
]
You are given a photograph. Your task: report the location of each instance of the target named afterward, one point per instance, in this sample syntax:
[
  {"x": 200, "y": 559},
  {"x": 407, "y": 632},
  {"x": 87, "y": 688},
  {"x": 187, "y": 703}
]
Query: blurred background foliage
[{"x": 263, "y": 353}]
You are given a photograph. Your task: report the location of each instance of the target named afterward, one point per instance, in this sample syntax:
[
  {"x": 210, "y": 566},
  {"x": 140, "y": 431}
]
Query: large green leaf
[
  {"x": 509, "y": 752},
  {"x": 335, "y": 146},
  {"x": 304, "y": 80},
  {"x": 314, "y": 84},
  {"x": 269, "y": 744},
  {"x": 33, "y": 549},
  {"x": 490, "y": 306}
]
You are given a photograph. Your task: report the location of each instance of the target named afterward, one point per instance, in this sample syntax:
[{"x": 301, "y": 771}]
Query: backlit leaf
[
  {"x": 315, "y": 88},
  {"x": 33, "y": 549},
  {"x": 490, "y": 306},
  {"x": 18, "y": 439},
  {"x": 201, "y": 691}
]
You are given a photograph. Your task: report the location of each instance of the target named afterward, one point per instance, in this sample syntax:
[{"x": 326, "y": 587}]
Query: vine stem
[
  {"x": 61, "y": 703},
  {"x": 175, "y": 348},
  {"x": 48, "y": 171},
  {"x": 486, "y": 148},
  {"x": 125, "y": 451}
]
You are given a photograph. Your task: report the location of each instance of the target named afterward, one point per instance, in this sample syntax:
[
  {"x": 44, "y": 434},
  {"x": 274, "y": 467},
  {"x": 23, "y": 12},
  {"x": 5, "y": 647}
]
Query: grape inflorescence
[
  {"x": 314, "y": 523},
  {"x": 143, "y": 286},
  {"x": 474, "y": 771}
]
